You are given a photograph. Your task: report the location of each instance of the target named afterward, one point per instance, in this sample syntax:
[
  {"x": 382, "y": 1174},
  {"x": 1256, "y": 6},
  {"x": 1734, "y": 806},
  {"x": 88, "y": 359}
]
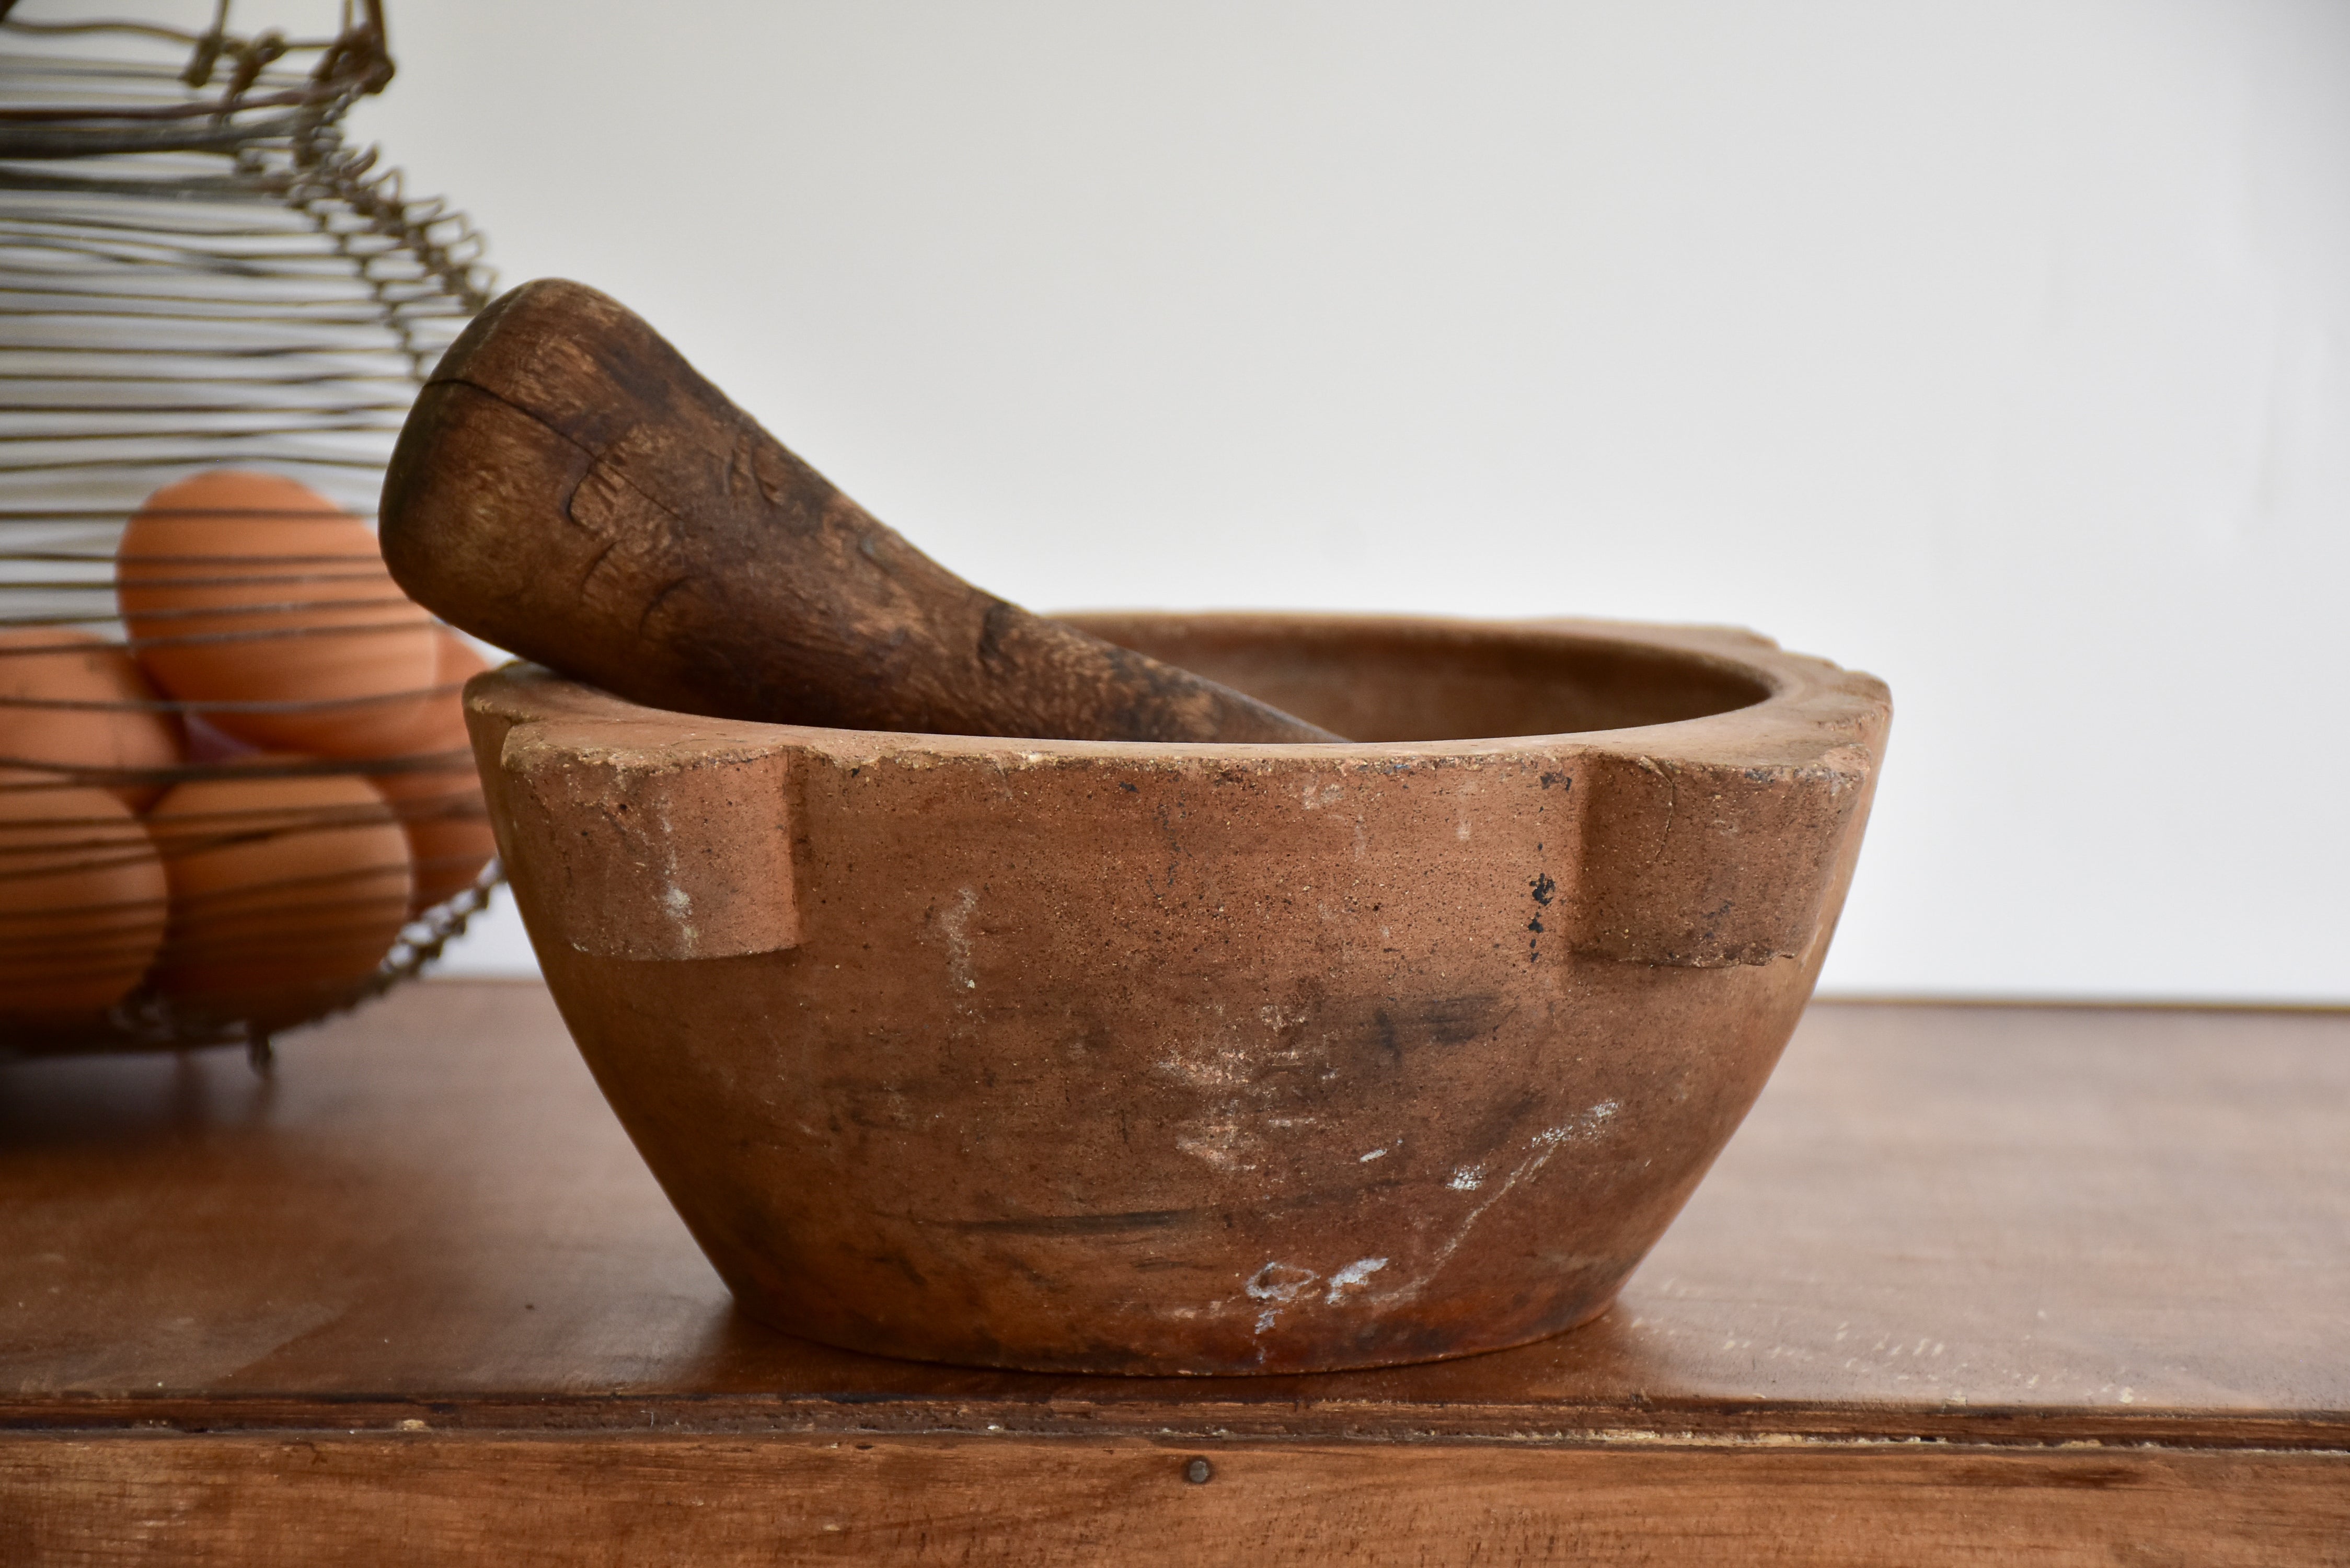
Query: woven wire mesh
[{"x": 196, "y": 273}]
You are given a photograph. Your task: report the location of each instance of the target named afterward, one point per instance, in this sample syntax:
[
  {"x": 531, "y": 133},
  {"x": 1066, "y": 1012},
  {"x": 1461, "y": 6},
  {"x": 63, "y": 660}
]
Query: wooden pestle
[{"x": 569, "y": 487}]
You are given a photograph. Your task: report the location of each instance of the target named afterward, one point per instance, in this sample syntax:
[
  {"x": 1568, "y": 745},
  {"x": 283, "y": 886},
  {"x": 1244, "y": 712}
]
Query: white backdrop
[{"x": 1999, "y": 348}]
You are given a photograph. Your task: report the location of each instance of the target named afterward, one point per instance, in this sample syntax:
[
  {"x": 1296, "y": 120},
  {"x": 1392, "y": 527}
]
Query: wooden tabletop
[{"x": 1971, "y": 1282}]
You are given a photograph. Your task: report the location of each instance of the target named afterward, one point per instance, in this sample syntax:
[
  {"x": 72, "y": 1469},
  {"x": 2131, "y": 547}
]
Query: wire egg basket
[{"x": 235, "y": 791}]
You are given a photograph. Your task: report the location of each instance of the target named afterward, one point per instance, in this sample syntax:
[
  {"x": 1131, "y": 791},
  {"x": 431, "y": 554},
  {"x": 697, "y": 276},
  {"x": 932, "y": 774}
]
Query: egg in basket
[{"x": 230, "y": 819}]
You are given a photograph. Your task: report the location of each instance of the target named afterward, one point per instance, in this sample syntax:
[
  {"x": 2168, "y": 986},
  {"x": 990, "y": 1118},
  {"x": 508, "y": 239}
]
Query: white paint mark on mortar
[
  {"x": 1276, "y": 1019},
  {"x": 1352, "y": 1276},
  {"x": 1278, "y": 1282},
  {"x": 675, "y": 900},
  {"x": 956, "y": 924},
  {"x": 1228, "y": 1067},
  {"x": 1222, "y": 1144},
  {"x": 1541, "y": 1147}
]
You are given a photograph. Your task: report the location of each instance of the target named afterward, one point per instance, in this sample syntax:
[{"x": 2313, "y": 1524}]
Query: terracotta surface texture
[{"x": 1124, "y": 1057}]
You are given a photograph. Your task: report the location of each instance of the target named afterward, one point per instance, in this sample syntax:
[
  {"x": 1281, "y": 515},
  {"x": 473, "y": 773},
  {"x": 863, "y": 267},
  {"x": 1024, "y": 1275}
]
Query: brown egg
[
  {"x": 249, "y": 589},
  {"x": 113, "y": 737},
  {"x": 437, "y": 793},
  {"x": 286, "y": 890},
  {"x": 454, "y": 663},
  {"x": 440, "y": 805},
  {"x": 81, "y": 902}
]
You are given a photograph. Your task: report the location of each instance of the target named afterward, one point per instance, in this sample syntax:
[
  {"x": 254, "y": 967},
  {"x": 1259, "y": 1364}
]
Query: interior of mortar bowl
[{"x": 1398, "y": 680}]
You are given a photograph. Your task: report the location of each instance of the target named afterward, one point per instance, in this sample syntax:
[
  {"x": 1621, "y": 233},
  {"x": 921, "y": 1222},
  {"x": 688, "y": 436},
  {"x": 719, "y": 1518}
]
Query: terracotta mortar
[{"x": 1096, "y": 1056}]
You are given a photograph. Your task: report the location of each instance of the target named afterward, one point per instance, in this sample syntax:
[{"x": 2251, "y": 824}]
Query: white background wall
[{"x": 1999, "y": 348}]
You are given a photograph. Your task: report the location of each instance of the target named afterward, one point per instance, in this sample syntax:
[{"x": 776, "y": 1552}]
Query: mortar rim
[{"x": 1811, "y": 706}]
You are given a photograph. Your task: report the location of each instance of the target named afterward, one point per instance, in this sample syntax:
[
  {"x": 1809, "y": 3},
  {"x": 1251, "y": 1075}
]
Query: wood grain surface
[
  {"x": 317, "y": 1501},
  {"x": 1971, "y": 1282}
]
